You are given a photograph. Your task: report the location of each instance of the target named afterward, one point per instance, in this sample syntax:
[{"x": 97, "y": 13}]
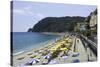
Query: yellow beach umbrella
[
  {"x": 67, "y": 44},
  {"x": 58, "y": 45},
  {"x": 69, "y": 40},
  {"x": 53, "y": 49},
  {"x": 63, "y": 49},
  {"x": 62, "y": 42}
]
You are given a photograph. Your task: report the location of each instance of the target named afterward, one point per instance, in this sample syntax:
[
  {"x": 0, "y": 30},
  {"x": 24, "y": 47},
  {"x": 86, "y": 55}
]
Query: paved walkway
[
  {"x": 84, "y": 55},
  {"x": 80, "y": 48}
]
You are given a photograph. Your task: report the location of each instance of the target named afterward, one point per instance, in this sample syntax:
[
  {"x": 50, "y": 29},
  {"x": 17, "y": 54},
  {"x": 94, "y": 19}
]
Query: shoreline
[
  {"x": 25, "y": 56},
  {"x": 66, "y": 54},
  {"x": 41, "y": 44},
  {"x": 31, "y": 52},
  {"x": 54, "y": 33},
  {"x": 45, "y": 44}
]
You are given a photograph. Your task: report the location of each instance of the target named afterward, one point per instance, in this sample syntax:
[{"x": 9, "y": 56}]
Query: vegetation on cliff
[{"x": 56, "y": 24}]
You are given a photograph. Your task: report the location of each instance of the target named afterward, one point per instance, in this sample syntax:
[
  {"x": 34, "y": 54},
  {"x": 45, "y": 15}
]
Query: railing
[{"x": 91, "y": 44}]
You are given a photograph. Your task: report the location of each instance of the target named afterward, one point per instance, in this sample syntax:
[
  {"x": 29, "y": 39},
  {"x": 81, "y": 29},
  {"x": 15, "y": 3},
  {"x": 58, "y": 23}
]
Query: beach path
[{"x": 81, "y": 50}]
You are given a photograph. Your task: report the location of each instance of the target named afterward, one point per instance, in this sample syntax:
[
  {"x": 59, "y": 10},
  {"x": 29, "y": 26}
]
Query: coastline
[
  {"x": 41, "y": 44},
  {"x": 35, "y": 48},
  {"x": 26, "y": 55},
  {"x": 54, "y": 33},
  {"x": 67, "y": 54}
]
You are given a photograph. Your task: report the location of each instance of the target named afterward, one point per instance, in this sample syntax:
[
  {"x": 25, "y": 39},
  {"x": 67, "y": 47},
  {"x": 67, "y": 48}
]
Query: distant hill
[{"x": 57, "y": 24}]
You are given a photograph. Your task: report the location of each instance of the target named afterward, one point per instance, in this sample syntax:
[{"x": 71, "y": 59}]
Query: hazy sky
[{"x": 26, "y": 14}]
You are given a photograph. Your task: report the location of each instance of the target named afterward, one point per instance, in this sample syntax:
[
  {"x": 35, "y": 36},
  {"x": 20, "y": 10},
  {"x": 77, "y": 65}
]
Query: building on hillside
[{"x": 82, "y": 26}]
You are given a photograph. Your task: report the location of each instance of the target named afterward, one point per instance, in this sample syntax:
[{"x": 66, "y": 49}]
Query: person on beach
[{"x": 78, "y": 41}]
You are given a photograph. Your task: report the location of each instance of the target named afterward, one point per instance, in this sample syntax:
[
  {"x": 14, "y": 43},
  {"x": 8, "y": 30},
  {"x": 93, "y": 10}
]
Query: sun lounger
[
  {"x": 46, "y": 57},
  {"x": 53, "y": 62},
  {"x": 75, "y": 61},
  {"x": 31, "y": 62},
  {"x": 33, "y": 56},
  {"x": 20, "y": 58},
  {"x": 45, "y": 61},
  {"x": 75, "y": 54},
  {"x": 64, "y": 57}
]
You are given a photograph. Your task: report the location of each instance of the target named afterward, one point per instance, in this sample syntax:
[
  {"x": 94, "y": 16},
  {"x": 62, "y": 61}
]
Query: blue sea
[{"x": 24, "y": 41}]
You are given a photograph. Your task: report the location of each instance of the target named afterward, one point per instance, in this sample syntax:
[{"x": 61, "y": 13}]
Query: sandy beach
[
  {"x": 64, "y": 49},
  {"x": 21, "y": 58},
  {"x": 26, "y": 55}
]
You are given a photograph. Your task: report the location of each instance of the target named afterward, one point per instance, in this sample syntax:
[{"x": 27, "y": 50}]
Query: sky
[{"x": 27, "y": 13}]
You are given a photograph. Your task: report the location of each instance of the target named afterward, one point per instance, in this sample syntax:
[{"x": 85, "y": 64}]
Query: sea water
[{"x": 24, "y": 41}]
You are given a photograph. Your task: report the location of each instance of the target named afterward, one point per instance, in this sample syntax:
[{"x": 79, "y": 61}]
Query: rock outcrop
[{"x": 93, "y": 20}]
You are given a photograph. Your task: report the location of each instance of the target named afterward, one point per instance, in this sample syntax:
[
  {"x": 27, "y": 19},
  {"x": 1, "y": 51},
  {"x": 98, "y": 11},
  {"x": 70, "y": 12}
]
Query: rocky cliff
[{"x": 93, "y": 19}]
